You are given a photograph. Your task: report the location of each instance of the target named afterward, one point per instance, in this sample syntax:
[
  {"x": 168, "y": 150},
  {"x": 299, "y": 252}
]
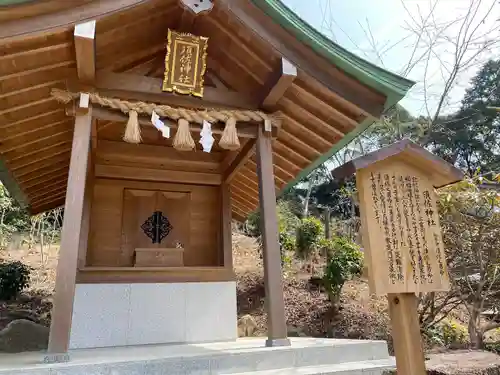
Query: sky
[{"x": 384, "y": 32}]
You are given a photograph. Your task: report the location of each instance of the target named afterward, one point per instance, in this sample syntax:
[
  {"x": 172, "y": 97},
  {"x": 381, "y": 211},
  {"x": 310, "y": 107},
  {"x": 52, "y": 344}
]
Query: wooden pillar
[
  {"x": 275, "y": 305},
  {"x": 406, "y": 336},
  {"x": 62, "y": 311},
  {"x": 87, "y": 208},
  {"x": 227, "y": 240}
]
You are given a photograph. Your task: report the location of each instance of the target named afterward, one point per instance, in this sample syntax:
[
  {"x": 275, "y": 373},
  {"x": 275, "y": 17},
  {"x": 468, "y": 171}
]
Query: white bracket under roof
[{"x": 198, "y": 6}]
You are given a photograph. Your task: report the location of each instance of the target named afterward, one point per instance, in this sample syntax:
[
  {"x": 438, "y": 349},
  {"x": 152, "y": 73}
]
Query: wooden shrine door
[{"x": 155, "y": 227}]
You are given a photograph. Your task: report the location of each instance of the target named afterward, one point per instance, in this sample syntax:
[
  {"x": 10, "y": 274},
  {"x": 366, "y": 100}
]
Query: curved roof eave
[
  {"x": 13, "y": 2},
  {"x": 393, "y": 86}
]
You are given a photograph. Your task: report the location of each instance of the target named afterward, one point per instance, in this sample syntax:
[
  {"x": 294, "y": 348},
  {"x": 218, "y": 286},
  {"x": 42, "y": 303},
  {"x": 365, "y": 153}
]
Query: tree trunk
[
  {"x": 475, "y": 333},
  {"x": 328, "y": 233},
  {"x": 40, "y": 226},
  {"x": 305, "y": 213}
]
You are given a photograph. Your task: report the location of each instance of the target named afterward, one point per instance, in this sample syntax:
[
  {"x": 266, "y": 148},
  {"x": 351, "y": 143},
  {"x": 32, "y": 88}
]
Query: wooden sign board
[
  {"x": 401, "y": 234},
  {"x": 185, "y": 63}
]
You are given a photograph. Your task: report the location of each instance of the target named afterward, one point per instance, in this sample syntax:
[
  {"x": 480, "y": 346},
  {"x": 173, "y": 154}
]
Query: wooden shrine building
[{"x": 146, "y": 243}]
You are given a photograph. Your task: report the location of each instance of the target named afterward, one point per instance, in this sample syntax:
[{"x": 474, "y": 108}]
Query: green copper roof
[
  {"x": 13, "y": 2},
  {"x": 394, "y": 87},
  {"x": 391, "y": 85}
]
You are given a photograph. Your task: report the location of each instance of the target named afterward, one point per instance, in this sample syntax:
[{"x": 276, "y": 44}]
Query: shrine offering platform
[{"x": 244, "y": 356}]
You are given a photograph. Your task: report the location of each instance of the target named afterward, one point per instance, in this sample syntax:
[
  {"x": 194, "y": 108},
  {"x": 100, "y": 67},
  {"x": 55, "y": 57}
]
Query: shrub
[
  {"x": 327, "y": 247},
  {"x": 448, "y": 333},
  {"x": 287, "y": 220},
  {"x": 287, "y": 245},
  {"x": 308, "y": 236},
  {"x": 453, "y": 333},
  {"x": 287, "y": 242},
  {"x": 14, "y": 277},
  {"x": 252, "y": 225},
  {"x": 493, "y": 347},
  {"x": 345, "y": 261}
]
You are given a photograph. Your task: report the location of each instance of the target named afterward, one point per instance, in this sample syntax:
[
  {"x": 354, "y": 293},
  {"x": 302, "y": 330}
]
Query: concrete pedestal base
[
  {"x": 278, "y": 342},
  {"x": 106, "y": 315},
  {"x": 306, "y": 356}
]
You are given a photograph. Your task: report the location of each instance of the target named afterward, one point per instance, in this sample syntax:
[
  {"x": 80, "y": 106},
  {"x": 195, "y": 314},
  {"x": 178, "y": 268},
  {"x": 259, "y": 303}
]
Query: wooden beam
[
  {"x": 238, "y": 212},
  {"x": 47, "y": 205},
  {"x": 168, "y": 157},
  {"x": 245, "y": 129},
  {"x": 95, "y": 135},
  {"x": 245, "y": 153},
  {"x": 281, "y": 177},
  {"x": 300, "y": 131},
  {"x": 275, "y": 305},
  {"x": 216, "y": 80},
  {"x": 52, "y": 185},
  {"x": 305, "y": 59},
  {"x": 328, "y": 111},
  {"x": 60, "y": 327},
  {"x": 43, "y": 172},
  {"x": 238, "y": 217},
  {"x": 36, "y": 209},
  {"x": 158, "y": 175},
  {"x": 33, "y": 8},
  {"x": 31, "y": 162},
  {"x": 187, "y": 20},
  {"x": 54, "y": 21},
  {"x": 328, "y": 130},
  {"x": 148, "y": 67},
  {"x": 297, "y": 145},
  {"x": 116, "y": 275},
  {"x": 244, "y": 193},
  {"x": 41, "y": 118},
  {"x": 41, "y": 145},
  {"x": 293, "y": 156},
  {"x": 279, "y": 81},
  {"x": 49, "y": 193},
  {"x": 32, "y": 169},
  {"x": 84, "y": 35},
  {"x": 148, "y": 89},
  {"x": 50, "y": 200},
  {"x": 252, "y": 190},
  {"x": 229, "y": 157},
  {"x": 242, "y": 202},
  {"x": 33, "y": 136},
  {"x": 40, "y": 183},
  {"x": 227, "y": 242}
]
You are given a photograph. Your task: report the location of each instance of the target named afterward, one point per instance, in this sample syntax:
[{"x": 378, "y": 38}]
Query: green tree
[
  {"x": 470, "y": 221},
  {"x": 469, "y": 138},
  {"x": 395, "y": 125},
  {"x": 12, "y": 217},
  {"x": 345, "y": 261},
  {"x": 308, "y": 236}
]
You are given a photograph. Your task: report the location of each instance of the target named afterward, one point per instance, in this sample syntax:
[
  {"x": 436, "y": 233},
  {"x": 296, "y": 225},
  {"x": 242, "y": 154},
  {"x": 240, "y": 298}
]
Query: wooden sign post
[{"x": 401, "y": 235}]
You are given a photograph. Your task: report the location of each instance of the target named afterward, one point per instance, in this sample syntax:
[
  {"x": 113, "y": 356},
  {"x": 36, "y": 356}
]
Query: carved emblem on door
[{"x": 157, "y": 227}]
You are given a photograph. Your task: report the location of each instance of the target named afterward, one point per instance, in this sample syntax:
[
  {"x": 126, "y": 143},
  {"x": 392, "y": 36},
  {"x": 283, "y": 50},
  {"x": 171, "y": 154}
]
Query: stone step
[
  {"x": 375, "y": 367},
  {"x": 244, "y": 355}
]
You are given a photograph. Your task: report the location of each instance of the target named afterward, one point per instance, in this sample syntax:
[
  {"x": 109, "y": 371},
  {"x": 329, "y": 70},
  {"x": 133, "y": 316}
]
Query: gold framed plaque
[{"x": 185, "y": 63}]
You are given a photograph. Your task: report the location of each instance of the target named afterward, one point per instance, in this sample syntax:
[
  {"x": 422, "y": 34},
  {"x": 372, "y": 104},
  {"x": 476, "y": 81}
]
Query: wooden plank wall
[
  {"x": 165, "y": 166},
  {"x": 107, "y": 246}
]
